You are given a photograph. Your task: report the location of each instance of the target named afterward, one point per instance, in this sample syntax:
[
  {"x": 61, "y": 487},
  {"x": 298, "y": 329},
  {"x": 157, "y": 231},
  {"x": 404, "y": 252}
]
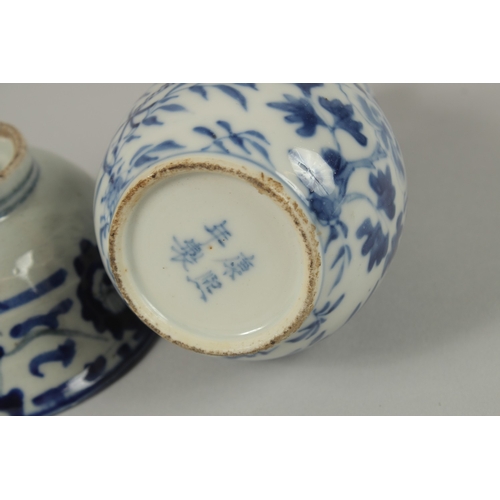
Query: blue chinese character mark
[
  {"x": 206, "y": 283},
  {"x": 188, "y": 253},
  {"x": 219, "y": 232},
  {"x": 237, "y": 265}
]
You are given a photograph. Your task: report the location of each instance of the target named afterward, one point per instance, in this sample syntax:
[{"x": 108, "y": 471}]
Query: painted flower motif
[
  {"x": 302, "y": 111},
  {"x": 100, "y": 302},
  {"x": 328, "y": 208},
  {"x": 339, "y": 167}
]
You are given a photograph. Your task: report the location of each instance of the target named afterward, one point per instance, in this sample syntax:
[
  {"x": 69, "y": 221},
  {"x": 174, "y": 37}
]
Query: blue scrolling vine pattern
[
  {"x": 152, "y": 110},
  {"x": 301, "y": 110},
  {"x": 307, "y": 111},
  {"x": 329, "y": 206},
  {"x": 244, "y": 141}
]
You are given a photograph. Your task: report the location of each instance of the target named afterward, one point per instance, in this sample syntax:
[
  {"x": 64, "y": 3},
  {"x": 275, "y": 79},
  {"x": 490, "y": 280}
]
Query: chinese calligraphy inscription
[{"x": 190, "y": 252}]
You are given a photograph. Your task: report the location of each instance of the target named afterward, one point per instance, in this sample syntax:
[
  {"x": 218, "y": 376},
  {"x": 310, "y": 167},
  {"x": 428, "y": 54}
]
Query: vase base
[{"x": 214, "y": 256}]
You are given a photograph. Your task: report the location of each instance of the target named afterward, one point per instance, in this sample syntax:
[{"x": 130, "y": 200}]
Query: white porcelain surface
[
  {"x": 64, "y": 331},
  {"x": 425, "y": 343},
  {"x": 324, "y": 150},
  {"x": 256, "y": 291}
]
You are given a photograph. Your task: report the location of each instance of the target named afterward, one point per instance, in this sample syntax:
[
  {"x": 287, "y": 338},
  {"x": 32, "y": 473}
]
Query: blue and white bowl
[
  {"x": 64, "y": 331},
  {"x": 250, "y": 220}
]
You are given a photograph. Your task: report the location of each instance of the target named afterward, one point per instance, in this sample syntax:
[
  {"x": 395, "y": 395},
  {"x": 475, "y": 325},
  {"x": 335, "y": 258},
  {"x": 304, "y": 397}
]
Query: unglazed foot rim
[{"x": 127, "y": 257}]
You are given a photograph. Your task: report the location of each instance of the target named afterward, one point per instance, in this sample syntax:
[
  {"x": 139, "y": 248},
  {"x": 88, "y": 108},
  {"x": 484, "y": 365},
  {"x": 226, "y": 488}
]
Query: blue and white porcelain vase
[
  {"x": 64, "y": 331},
  {"x": 250, "y": 220}
]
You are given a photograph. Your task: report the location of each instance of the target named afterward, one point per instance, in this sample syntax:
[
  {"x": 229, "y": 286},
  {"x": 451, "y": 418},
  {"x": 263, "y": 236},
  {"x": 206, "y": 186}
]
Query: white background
[{"x": 427, "y": 342}]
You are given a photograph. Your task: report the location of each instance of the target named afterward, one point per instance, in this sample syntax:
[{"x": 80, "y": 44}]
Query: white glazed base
[{"x": 215, "y": 256}]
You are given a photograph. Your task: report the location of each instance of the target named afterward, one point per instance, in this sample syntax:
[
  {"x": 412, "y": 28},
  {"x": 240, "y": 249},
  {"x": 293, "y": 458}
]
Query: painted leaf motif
[
  {"x": 165, "y": 145},
  {"x": 256, "y": 134},
  {"x": 138, "y": 153},
  {"x": 205, "y": 131},
  {"x": 221, "y": 146},
  {"x": 243, "y": 140},
  {"x": 343, "y": 259},
  {"x": 308, "y": 331},
  {"x": 369, "y": 111},
  {"x": 300, "y": 111},
  {"x": 386, "y": 193},
  {"x": 172, "y": 107},
  {"x": 343, "y": 114},
  {"x": 312, "y": 329},
  {"x": 260, "y": 149},
  {"x": 334, "y": 305},
  {"x": 376, "y": 243},
  {"x": 251, "y": 85},
  {"x": 307, "y": 87},
  {"x": 146, "y": 158},
  {"x": 152, "y": 120},
  {"x": 132, "y": 137},
  {"x": 385, "y": 133},
  {"x": 235, "y": 94},
  {"x": 225, "y": 125},
  {"x": 394, "y": 241},
  {"x": 236, "y": 139},
  {"x": 334, "y": 160},
  {"x": 198, "y": 89},
  {"x": 343, "y": 228}
]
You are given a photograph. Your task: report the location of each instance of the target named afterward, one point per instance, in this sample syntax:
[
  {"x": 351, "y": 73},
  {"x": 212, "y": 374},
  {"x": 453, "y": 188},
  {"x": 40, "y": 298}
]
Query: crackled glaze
[{"x": 335, "y": 158}]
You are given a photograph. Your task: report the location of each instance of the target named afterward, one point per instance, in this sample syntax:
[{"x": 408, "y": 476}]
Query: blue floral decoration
[
  {"x": 383, "y": 131},
  {"x": 301, "y": 110},
  {"x": 245, "y": 142},
  {"x": 343, "y": 114},
  {"x": 394, "y": 241},
  {"x": 13, "y": 402},
  {"x": 311, "y": 331},
  {"x": 307, "y": 87},
  {"x": 382, "y": 185},
  {"x": 229, "y": 90},
  {"x": 376, "y": 243},
  {"x": 98, "y": 298}
]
